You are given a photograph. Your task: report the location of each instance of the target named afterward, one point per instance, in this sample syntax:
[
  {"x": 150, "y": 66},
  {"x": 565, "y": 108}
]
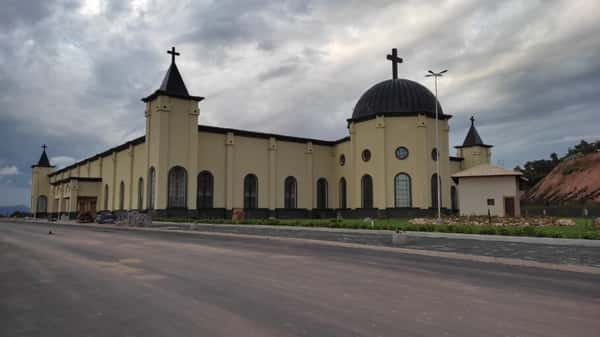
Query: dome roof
[{"x": 396, "y": 97}]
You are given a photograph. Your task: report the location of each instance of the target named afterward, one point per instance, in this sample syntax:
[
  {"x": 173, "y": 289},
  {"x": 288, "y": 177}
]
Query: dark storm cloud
[
  {"x": 22, "y": 12},
  {"x": 72, "y": 72}
]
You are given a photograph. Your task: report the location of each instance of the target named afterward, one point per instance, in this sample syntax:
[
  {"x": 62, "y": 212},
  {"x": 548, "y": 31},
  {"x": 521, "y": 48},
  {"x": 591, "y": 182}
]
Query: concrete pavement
[{"x": 91, "y": 283}]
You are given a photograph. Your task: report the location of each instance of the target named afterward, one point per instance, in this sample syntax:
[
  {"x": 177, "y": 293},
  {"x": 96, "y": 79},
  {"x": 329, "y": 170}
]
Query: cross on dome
[{"x": 395, "y": 60}]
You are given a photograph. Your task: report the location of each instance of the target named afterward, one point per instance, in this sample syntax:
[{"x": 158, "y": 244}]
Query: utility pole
[{"x": 437, "y": 145}]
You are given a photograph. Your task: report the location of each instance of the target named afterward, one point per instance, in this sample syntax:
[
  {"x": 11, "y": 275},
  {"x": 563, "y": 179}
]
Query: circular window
[
  {"x": 434, "y": 154},
  {"x": 342, "y": 160},
  {"x": 366, "y": 155},
  {"x": 401, "y": 153}
]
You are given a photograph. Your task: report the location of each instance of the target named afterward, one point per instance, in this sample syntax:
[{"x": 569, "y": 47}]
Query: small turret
[
  {"x": 40, "y": 185},
  {"x": 473, "y": 150},
  {"x": 44, "y": 161}
]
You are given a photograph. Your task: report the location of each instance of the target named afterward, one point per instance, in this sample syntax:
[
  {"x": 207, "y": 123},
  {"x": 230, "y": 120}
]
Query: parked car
[
  {"x": 85, "y": 217},
  {"x": 105, "y": 217}
]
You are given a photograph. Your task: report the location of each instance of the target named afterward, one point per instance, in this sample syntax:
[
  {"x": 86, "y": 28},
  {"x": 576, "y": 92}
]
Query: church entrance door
[
  {"x": 509, "y": 206},
  {"x": 86, "y": 205}
]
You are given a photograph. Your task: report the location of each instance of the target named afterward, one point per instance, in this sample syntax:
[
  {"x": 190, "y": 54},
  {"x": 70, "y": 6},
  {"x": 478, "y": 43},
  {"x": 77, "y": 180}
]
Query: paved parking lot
[{"x": 82, "y": 282}]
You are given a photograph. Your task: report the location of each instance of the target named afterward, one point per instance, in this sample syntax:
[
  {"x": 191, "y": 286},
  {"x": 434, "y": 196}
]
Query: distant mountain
[
  {"x": 8, "y": 210},
  {"x": 575, "y": 178}
]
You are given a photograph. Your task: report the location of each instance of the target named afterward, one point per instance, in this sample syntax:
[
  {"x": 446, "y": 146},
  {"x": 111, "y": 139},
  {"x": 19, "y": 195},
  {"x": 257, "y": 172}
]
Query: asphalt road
[{"x": 82, "y": 282}]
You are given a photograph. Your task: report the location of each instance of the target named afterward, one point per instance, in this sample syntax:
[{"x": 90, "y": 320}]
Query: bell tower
[
  {"x": 171, "y": 135},
  {"x": 40, "y": 185},
  {"x": 473, "y": 150}
]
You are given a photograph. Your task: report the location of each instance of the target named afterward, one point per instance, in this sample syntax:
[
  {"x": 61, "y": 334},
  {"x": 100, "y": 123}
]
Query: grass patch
[{"x": 584, "y": 228}]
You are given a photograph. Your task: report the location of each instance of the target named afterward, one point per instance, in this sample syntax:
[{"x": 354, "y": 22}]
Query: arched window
[
  {"x": 290, "y": 192},
  {"x": 122, "y": 196},
  {"x": 250, "y": 191},
  {"x": 151, "y": 187},
  {"x": 140, "y": 203},
  {"x": 177, "y": 187},
  {"x": 42, "y": 204},
  {"x": 454, "y": 198},
  {"x": 367, "y": 191},
  {"x": 205, "y": 190},
  {"x": 343, "y": 203},
  {"x": 402, "y": 190},
  {"x": 322, "y": 193},
  {"x": 435, "y": 182},
  {"x": 106, "y": 197}
]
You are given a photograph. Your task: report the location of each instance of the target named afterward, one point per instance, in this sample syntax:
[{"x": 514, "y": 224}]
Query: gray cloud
[{"x": 72, "y": 72}]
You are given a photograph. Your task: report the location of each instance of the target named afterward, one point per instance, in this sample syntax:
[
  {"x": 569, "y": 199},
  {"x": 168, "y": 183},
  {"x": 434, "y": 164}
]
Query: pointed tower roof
[
  {"x": 473, "y": 138},
  {"x": 44, "y": 161},
  {"x": 172, "y": 84}
]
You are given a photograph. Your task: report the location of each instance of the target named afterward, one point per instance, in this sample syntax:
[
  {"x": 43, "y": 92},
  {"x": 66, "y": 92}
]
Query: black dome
[{"x": 397, "y": 97}]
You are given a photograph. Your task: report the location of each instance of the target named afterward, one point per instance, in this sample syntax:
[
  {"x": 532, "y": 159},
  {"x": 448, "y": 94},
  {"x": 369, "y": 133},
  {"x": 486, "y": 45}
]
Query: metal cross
[
  {"x": 472, "y": 120},
  {"x": 173, "y": 54},
  {"x": 395, "y": 60},
  {"x": 44, "y": 147}
]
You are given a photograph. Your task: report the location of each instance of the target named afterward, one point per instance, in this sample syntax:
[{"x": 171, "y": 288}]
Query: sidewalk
[
  {"x": 518, "y": 239},
  {"x": 543, "y": 250}
]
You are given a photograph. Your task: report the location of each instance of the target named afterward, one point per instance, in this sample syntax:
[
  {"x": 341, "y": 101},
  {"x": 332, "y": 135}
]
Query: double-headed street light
[{"x": 437, "y": 145}]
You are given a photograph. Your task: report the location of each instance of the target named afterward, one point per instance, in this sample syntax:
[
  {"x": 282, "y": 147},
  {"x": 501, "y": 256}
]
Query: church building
[{"x": 384, "y": 167}]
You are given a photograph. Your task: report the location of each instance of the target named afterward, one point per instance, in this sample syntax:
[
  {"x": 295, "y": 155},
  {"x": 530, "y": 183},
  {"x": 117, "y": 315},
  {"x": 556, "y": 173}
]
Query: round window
[
  {"x": 342, "y": 160},
  {"x": 434, "y": 154},
  {"x": 401, "y": 153},
  {"x": 366, "y": 155}
]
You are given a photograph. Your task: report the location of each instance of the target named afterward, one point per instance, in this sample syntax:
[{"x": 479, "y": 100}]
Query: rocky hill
[{"x": 574, "y": 179}]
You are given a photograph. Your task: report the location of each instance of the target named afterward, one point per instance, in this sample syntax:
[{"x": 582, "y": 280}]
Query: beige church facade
[{"x": 384, "y": 167}]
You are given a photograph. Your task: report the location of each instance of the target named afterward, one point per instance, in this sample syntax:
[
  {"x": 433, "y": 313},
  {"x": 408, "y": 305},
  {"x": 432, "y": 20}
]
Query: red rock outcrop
[{"x": 575, "y": 179}]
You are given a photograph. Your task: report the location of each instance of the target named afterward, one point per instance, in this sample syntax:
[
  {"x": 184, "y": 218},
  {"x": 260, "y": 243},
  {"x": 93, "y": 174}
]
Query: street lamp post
[{"x": 437, "y": 145}]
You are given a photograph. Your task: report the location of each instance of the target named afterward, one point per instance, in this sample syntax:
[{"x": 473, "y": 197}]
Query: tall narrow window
[
  {"x": 106, "y": 197},
  {"x": 435, "y": 182},
  {"x": 177, "y": 187},
  {"x": 122, "y": 196},
  {"x": 454, "y": 198},
  {"x": 402, "y": 190},
  {"x": 250, "y": 191},
  {"x": 322, "y": 193},
  {"x": 42, "y": 204},
  {"x": 343, "y": 203},
  {"x": 151, "y": 187},
  {"x": 205, "y": 190},
  {"x": 367, "y": 191},
  {"x": 140, "y": 203},
  {"x": 290, "y": 192}
]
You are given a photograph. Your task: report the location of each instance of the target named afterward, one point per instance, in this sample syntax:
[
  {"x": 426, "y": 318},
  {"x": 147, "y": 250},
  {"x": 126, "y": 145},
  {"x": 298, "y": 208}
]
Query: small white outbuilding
[{"x": 487, "y": 188}]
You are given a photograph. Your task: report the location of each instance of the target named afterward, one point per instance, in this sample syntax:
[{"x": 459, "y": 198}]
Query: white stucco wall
[{"x": 473, "y": 193}]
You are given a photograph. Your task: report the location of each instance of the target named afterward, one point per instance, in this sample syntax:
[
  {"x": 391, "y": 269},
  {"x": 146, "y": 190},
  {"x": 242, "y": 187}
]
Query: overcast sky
[{"x": 72, "y": 72}]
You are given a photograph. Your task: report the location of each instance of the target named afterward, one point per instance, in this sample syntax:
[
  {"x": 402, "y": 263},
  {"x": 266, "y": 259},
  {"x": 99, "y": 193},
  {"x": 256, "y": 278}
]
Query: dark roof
[
  {"x": 246, "y": 133},
  {"x": 44, "y": 161},
  {"x": 172, "y": 85},
  {"x": 90, "y": 179},
  {"x": 396, "y": 97},
  {"x": 106, "y": 153},
  {"x": 205, "y": 128},
  {"x": 473, "y": 138}
]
